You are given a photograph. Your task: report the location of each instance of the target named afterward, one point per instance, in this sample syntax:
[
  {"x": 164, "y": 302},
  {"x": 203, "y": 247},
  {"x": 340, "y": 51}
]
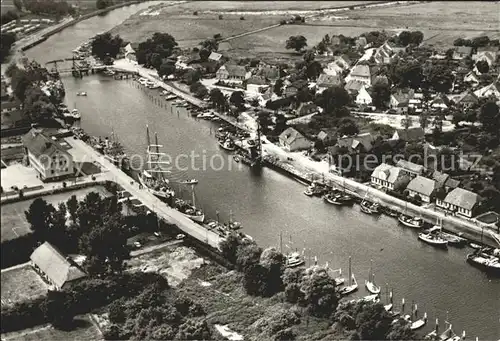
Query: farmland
[
  {"x": 14, "y": 222},
  {"x": 21, "y": 284}
]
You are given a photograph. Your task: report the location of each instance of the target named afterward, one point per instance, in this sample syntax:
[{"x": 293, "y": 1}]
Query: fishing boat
[
  {"x": 189, "y": 182},
  {"x": 389, "y": 305},
  {"x": 189, "y": 210},
  {"x": 153, "y": 178},
  {"x": 475, "y": 246},
  {"x": 413, "y": 222},
  {"x": 170, "y": 97},
  {"x": 370, "y": 283},
  {"x": 294, "y": 260},
  {"x": 433, "y": 240},
  {"x": 375, "y": 208},
  {"x": 419, "y": 323},
  {"x": 315, "y": 189},
  {"x": 109, "y": 72},
  {"x": 485, "y": 262},
  {"x": 75, "y": 114},
  {"x": 366, "y": 207},
  {"x": 206, "y": 115},
  {"x": 391, "y": 213},
  {"x": 227, "y": 144},
  {"x": 450, "y": 238},
  {"x": 352, "y": 284},
  {"x": 81, "y": 93}
]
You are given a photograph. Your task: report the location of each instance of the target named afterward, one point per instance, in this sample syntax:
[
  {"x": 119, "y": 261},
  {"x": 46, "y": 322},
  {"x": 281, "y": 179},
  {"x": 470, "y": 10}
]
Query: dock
[{"x": 154, "y": 204}]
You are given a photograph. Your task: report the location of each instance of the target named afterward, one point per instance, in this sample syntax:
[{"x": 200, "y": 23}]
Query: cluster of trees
[
  {"x": 155, "y": 52},
  {"x": 102, "y": 4},
  {"x": 376, "y": 38},
  {"x": 157, "y": 313},
  {"x": 406, "y": 38},
  {"x": 94, "y": 227},
  {"x": 476, "y": 42},
  {"x": 6, "y": 42},
  {"x": 105, "y": 45},
  {"x": 370, "y": 321},
  {"x": 56, "y": 8},
  {"x": 296, "y": 43},
  {"x": 308, "y": 68},
  {"x": 218, "y": 100},
  {"x": 60, "y": 308},
  {"x": 199, "y": 90}
]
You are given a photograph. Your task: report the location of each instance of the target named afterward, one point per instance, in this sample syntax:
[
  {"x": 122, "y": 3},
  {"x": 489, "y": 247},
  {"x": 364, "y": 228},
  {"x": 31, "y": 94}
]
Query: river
[{"x": 267, "y": 203}]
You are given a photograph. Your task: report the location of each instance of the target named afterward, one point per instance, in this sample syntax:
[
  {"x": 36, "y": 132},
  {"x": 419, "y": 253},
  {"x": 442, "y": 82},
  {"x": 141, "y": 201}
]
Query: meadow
[{"x": 21, "y": 284}]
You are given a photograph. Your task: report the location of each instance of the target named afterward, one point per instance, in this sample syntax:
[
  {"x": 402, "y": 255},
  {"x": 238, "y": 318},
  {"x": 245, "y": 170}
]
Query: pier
[{"x": 154, "y": 204}]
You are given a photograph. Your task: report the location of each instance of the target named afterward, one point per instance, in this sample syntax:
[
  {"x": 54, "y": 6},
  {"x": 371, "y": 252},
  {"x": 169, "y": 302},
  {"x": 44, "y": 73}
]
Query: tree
[
  {"x": 489, "y": 116},
  {"x": 482, "y": 66},
  {"x": 162, "y": 44},
  {"x": 237, "y": 99},
  {"x": 278, "y": 87},
  {"x": 229, "y": 247},
  {"x": 6, "y": 42},
  {"x": 194, "y": 330},
  {"x": 416, "y": 37},
  {"x": 217, "y": 98},
  {"x": 332, "y": 99},
  {"x": 19, "y": 5},
  {"x": 320, "y": 296},
  {"x": 199, "y": 90},
  {"x": 192, "y": 76},
  {"x": 424, "y": 119},
  {"x": 308, "y": 56},
  {"x": 314, "y": 69},
  {"x": 101, "y": 4},
  {"x": 72, "y": 206},
  {"x": 296, "y": 43},
  {"x": 405, "y": 73},
  {"x": 247, "y": 255},
  {"x": 255, "y": 280},
  {"x": 105, "y": 44},
  {"x": 39, "y": 216},
  {"x": 166, "y": 69},
  {"x": 204, "y": 53},
  {"x": 347, "y": 127},
  {"x": 440, "y": 78},
  {"x": 404, "y": 38},
  {"x": 381, "y": 94},
  {"x": 210, "y": 45}
]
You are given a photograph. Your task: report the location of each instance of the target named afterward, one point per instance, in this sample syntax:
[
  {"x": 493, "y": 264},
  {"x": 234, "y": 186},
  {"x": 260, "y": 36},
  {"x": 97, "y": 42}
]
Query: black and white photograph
[{"x": 250, "y": 170}]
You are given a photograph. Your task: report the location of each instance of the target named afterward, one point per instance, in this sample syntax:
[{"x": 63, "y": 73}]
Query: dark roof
[
  {"x": 290, "y": 135},
  {"x": 452, "y": 183},
  {"x": 462, "y": 198},
  {"x": 413, "y": 167},
  {"x": 361, "y": 70},
  {"x": 467, "y": 50},
  {"x": 440, "y": 178},
  {"x": 353, "y": 85},
  {"x": 354, "y": 142},
  {"x": 256, "y": 80},
  {"x": 422, "y": 185},
  {"x": 54, "y": 265},
  {"x": 326, "y": 81},
  {"x": 235, "y": 70},
  {"x": 467, "y": 96},
  {"x": 38, "y": 143},
  {"x": 411, "y": 134}
]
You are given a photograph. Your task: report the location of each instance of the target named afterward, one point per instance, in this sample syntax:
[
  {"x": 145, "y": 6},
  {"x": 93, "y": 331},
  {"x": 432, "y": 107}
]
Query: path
[
  {"x": 153, "y": 248},
  {"x": 149, "y": 200}
]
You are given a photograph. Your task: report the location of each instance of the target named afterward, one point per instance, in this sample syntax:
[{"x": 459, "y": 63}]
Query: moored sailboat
[
  {"x": 153, "y": 177},
  {"x": 413, "y": 222},
  {"x": 352, "y": 284},
  {"x": 433, "y": 240},
  {"x": 189, "y": 209},
  {"x": 370, "y": 283}
]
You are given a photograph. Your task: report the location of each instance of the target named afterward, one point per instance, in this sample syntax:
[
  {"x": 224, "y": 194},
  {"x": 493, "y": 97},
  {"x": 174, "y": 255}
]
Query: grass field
[
  {"x": 84, "y": 330},
  {"x": 14, "y": 222},
  {"x": 21, "y": 284},
  {"x": 441, "y": 22}
]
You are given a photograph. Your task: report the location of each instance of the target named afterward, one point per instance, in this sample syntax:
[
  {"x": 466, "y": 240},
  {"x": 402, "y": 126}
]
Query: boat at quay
[{"x": 271, "y": 200}]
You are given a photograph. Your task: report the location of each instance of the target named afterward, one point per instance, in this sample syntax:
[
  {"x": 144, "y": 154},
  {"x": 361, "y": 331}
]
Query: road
[
  {"x": 149, "y": 200},
  {"x": 470, "y": 228}
]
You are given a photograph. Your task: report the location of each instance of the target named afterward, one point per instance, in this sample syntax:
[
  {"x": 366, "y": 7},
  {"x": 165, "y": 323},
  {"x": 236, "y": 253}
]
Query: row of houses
[{"x": 408, "y": 176}]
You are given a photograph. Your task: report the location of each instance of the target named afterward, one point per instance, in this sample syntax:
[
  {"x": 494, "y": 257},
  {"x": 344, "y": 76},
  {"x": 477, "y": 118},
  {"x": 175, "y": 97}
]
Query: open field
[
  {"x": 441, "y": 22},
  {"x": 84, "y": 330},
  {"x": 14, "y": 222},
  {"x": 21, "y": 284}
]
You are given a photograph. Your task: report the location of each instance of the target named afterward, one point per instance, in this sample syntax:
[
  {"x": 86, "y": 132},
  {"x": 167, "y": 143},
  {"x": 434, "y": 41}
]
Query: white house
[
  {"x": 291, "y": 140},
  {"x": 389, "y": 177},
  {"x": 423, "y": 187},
  {"x": 363, "y": 96},
  {"x": 47, "y": 156},
  {"x": 361, "y": 73},
  {"x": 460, "y": 201},
  {"x": 491, "y": 90},
  {"x": 472, "y": 78}
]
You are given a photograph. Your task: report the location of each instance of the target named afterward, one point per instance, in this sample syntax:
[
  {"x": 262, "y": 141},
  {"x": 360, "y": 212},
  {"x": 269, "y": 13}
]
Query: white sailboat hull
[
  {"x": 197, "y": 218},
  {"x": 372, "y": 288}
]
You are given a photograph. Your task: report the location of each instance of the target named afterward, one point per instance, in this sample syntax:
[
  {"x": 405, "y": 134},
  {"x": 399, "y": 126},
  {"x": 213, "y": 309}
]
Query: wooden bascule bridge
[{"x": 78, "y": 67}]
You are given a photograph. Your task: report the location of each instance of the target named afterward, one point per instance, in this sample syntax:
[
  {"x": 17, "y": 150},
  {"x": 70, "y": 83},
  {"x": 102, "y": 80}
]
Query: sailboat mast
[
  {"x": 350, "y": 271},
  {"x": 148, "y": 142},
  {"x": 157, "y": 150},
  {"x": 371, "y": 271},
  {"x": 192, "y": 196},
  {"x": 281, "y": 242}
]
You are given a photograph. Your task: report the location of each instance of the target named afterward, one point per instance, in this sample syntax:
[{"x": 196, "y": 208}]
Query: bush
[
  {"x": 195, "y": 13},
  {"x": 242, "y": 18},
  {"x": 17, "y": 251},
  {"x": 220, "y": 16}
]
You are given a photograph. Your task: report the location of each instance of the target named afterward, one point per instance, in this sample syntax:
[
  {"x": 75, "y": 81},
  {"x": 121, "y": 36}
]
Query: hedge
[{"x": 17, "y": 251}]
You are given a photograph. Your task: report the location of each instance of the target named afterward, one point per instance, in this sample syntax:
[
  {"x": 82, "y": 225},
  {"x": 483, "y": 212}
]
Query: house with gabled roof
[
  {"x": 466, "y": 99},
  {"x": 326, "y": 81},
  {"x": 215, "y": 56},
  {"x": 472, "y": 78},
  {"x": 55, "y": 268},
  {"x": 411, "y": 169},
  {"x": 461, "y": 202},
  {"x": 363, "y": 97},
  {"x": 231, "y": 72},
  {"x": 400, "y": 99},
  {"x": 291, "y": 140},
  {"x": 306, "y": 109},
  {"x": 487, "y": 56},
  {"x": 389, "y": 177},
  {"x": 353, "y": 87},
  {"x": 47, "y": 156},
  {"x": 357, "y": 144},
  {"x": 362, "y": 73},
  {"x": 423, "y": 187},
  {"x": 492, "y": 90},
  {"x": 440, "y": 101},
  {"x": 413, "y": 134},
  {"x": 462, "y": 51}
]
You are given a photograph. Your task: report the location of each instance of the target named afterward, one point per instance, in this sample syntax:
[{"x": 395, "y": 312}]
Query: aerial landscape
[{"x": 250, "y": 170}]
